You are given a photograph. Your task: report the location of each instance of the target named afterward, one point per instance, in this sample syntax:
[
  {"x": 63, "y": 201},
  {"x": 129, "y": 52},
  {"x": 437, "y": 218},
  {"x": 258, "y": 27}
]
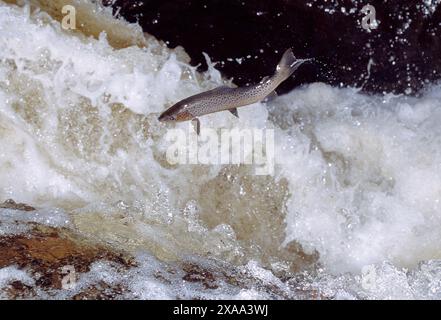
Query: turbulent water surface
[{"x": 352, "y": 211}]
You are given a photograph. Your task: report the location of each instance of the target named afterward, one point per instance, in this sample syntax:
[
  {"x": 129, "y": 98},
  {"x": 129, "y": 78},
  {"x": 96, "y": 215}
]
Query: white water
[{"x": 357, "y": 179}]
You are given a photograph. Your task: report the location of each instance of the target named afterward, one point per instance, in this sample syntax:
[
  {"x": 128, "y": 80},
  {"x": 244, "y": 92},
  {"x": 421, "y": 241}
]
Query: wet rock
[
  {"x": 11, "y": 204},
  {"x": 46, "y": 252},
  {"x": 195, "y": 273},
  {"x": 19, "y": 290},
  {"x": 402, "y": 55},
  {"x": 101, "y": 291}
]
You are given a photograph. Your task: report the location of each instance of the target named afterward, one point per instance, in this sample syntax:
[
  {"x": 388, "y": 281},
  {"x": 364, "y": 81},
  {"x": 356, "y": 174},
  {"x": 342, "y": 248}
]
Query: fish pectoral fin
[
  {"x": 196, "y": 125},
  {"x": 270, "y": 97},
  {"x": 234, "y": 112}
]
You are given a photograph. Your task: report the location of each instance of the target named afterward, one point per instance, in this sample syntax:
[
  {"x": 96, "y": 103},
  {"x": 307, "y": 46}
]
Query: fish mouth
[
  {"x": 175, "y": 117},
  {"x": 164, "y": 117}
]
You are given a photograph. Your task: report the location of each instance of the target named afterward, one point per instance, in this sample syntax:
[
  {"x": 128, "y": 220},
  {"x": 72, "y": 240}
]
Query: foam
[
  {"x": 369, "y": 186},
  {"x": 357, "y": 178}
]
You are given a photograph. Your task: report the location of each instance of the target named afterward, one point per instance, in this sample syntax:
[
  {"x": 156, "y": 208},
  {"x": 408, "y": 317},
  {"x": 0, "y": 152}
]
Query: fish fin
[
  {"x": 264, "y": 79},
  {"x": 271, "y": 96},
  {"x": 288, "y": 64},
  {"x": 234, "y": 112},
  {"x": 196, "y": 125},
  {"x": 221, "y": 89}
]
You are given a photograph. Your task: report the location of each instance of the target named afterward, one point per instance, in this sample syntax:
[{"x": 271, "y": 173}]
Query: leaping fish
[{"x": 227, "y": 98}]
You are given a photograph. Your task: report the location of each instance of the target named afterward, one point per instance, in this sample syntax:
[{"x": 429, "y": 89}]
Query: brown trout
[{"x": 227, "y": 98}]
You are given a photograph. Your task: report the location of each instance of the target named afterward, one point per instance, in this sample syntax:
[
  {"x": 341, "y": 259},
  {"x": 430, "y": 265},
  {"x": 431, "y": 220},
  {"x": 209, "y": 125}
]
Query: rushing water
[{"x": 352, "y": 211}]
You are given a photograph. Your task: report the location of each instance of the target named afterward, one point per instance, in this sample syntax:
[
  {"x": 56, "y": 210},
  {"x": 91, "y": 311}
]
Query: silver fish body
[{"x": 226, "y": 98}]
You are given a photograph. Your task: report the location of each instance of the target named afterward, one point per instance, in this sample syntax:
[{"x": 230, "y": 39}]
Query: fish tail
[{"x": 288, "y": 64}]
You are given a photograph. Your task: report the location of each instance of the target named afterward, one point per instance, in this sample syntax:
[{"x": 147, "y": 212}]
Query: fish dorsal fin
[
  {"x": 221, "y": 89},
  {"x": 270, "y": 97},
  {"x": 196, "y": 125},
  {"x": 234, "y": 112}
]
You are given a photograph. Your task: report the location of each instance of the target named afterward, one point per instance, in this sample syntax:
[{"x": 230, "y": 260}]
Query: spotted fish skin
[{"x": 226, "y": 98}]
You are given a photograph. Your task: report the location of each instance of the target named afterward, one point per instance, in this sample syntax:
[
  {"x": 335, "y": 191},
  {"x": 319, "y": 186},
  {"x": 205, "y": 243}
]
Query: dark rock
[
  {"x": 11, "y": 204},
  {"x": 405, "y": 49},
  {"x": 45, "y": 251},
  {"x": 195, "y": 273},
  {"x": 100, "y": 291},
  {"x": 19, "y": 290}
]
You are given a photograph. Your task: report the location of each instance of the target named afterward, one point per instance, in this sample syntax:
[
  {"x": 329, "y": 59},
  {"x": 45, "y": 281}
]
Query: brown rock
[
  {"x": 45, "y": 251},
  {"x": 11, "y": 204},
  {"x": 195, "y": 273}
]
